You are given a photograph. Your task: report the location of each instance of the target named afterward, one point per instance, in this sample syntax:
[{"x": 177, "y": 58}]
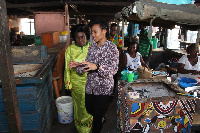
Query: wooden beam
[
  {"x": 98, "y": 3},
  {"x": 58, "y": 3},
  {"x": 39, "y": 4},
  {"x": 184, "y": 14},
  {"x": 49, "y": 12},
  {"x": 7, "y": 75},
  {"x": 93, "y": 14}
]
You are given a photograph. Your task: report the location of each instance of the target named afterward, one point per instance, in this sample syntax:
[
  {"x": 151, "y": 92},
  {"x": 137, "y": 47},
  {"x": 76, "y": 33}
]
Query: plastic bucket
[
  {"x": 155, "y": 41},
  {"x": 64, "y": 106},
  {"x": 124, "y": 75},
  {"x": 130, "y": 76},
  {"x": 136, "y": 74},
  {"x": 63, "y": 38},
  {"x": 38, "y": 40}
]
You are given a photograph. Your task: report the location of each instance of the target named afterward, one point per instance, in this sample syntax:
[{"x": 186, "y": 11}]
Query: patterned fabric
[
  {"x": 114, "y": 40},
  {"x": 101, "y": 82},
  {"x": 76, "y": 82},
  {"x": 144, "y": 43},
  {"x": 133, "y": 63}
]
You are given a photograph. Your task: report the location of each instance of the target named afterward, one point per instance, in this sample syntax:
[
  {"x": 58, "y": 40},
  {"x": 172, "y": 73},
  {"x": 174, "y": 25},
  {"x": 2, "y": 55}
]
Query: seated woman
[
  {"x": 189, "y": 65},
  {"x": 133, "y": 59}
]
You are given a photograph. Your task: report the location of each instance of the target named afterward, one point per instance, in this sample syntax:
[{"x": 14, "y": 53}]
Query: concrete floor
[{"x": 108, "y": 127}]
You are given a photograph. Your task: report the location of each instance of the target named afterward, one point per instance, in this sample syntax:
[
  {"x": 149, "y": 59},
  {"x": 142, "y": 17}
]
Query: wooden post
[
  {"x": 118, "y": 32},
  {"x": 7, "y": 75},
  {"x": 166, "y": 36},
  {"x": 122, "y": 32},
  {"x": 150, "y": 30},
  {"x": 133, "y": 30},
  {"x": 67, "y": 25},
  {"x": 197, "y": 41}
]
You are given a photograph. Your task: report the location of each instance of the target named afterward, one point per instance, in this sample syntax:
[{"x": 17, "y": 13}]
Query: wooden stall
[
  {"x": 153, "y": 106},
  {"x": 34, "y": 88},
  {"x": 156, "y": 114},
  {"x": 58, "y": 69}
]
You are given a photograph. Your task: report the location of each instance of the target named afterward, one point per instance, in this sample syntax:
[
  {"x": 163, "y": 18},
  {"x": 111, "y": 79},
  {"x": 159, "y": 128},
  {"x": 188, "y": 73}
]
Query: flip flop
[{"x": 103, "y": 120}]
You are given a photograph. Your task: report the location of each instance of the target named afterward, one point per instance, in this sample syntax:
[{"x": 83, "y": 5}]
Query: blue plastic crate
[
  {"x": 27, "y": 105},
  {"x": 35, "y": 101},
  {"x": 29, "y": 95},
  {"x": 35, "y": 116},
  {"x": 30, "y": 116},
  {"x": 42, "y": 124},
  {"x": 1, "y": 93},
  {"x": 3, "y": 118},
  {"x": 4, "y": 128},
  {"x": 25, "y": 92},
  {"x": 31, "y": 90},
  {"x": 32, "y": 126}
]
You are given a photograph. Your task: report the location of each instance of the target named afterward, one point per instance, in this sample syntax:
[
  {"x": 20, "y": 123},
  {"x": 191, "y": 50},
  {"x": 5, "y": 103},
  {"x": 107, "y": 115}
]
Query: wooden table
[{"x": 58, "y": 69}]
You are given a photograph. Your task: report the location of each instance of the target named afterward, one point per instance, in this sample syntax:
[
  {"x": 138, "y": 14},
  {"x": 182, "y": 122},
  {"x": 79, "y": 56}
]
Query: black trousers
[{"x": 96, "y": 106}]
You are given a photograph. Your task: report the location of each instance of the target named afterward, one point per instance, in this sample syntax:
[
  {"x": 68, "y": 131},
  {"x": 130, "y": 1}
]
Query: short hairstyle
[
  {"x": 113, "y": 24},
  {"x": 192, "y": 45},
  {"x": 133, "y": 41},
  {"x": 80, "y": 28},
  {"x": 103, "y": 25}
]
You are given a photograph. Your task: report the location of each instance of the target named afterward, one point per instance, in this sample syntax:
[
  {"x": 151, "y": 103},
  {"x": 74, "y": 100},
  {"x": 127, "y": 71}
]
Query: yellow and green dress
[{"x": 76, "y": 82}]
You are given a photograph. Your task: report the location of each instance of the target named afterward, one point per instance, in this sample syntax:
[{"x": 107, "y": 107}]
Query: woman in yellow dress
[{"x": 75, "y": 82}]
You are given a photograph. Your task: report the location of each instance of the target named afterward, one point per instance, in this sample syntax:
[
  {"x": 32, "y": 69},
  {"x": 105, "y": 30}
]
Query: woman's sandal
[{"x": 103, "y": 120}]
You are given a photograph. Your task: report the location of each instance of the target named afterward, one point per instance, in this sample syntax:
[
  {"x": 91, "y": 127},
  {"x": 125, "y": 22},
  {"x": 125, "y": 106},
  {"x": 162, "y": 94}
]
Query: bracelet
[{"x": 97, "y": 67}]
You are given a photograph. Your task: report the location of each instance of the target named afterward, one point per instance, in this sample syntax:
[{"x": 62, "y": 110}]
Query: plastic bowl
[{"x": 187, "y": 82}]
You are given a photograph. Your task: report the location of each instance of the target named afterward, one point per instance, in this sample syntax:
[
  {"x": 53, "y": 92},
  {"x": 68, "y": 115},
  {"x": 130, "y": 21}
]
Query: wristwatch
[{"x": 97, "y": 67}]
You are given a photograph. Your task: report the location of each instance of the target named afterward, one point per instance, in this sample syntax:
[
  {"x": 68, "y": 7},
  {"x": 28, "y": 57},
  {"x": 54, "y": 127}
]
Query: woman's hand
[
  {"x": 89, "y": 66},
  {"x": 73, "y": 64},
  {"x": 195, "y": 72}
]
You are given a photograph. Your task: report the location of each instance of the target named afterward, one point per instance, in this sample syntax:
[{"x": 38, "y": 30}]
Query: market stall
[
  {"x": 153, "y": 105},
  {"x": 149, "y": 104},
  {"x": 33, "y": 78}
]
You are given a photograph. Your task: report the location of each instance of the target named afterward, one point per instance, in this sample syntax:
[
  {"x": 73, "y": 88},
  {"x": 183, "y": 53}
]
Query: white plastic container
[
  {"x": 63, "y": 38},
  {"x": 64, "y": 106}
]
